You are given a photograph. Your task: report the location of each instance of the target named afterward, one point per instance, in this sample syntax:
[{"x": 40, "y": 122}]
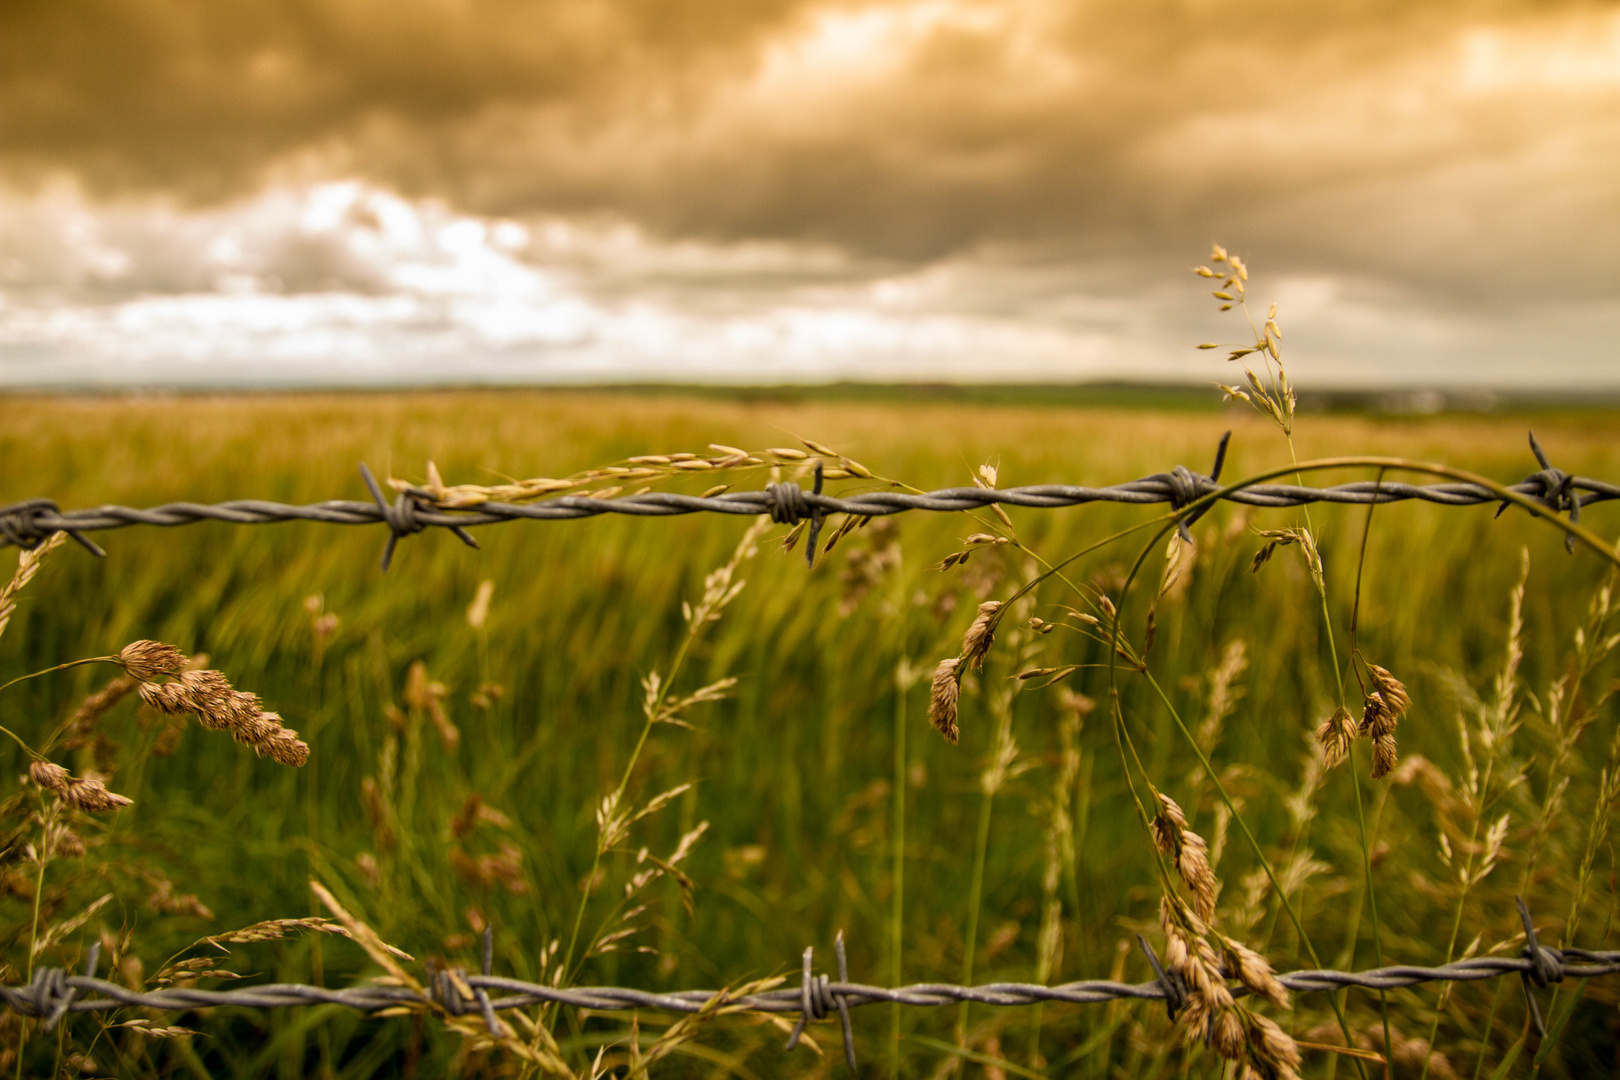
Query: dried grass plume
[{"x": 942, "y": 698}]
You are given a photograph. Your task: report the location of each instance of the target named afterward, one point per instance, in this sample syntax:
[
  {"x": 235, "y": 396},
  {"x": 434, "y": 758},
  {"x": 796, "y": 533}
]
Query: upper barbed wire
[{"x": 26, "y": 524}]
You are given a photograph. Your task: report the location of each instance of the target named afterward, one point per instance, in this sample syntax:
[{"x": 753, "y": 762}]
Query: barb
[{"x": 413, "y": 510}]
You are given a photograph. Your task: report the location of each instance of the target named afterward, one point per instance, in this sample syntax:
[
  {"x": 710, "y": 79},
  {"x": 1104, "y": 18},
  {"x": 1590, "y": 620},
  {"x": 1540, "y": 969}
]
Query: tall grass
[{"x": 801, "y": 773}]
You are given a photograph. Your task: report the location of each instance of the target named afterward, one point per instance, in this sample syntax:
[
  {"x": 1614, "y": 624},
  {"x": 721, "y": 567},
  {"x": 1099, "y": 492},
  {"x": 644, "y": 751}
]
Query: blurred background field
[{"x": 795, "y": 772}]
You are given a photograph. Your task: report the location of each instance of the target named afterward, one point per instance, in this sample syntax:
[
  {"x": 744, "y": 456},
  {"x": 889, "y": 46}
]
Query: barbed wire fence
[
  {"x": 54, "y": 993},
  {"x": 413, "y": 510}
]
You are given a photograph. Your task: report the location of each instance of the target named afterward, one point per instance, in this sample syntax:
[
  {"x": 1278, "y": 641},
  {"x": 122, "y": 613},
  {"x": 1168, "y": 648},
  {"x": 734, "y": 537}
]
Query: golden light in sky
[{"x": 353, "y": 191}]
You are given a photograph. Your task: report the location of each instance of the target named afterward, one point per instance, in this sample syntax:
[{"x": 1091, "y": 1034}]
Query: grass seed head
[
  {"x": 1226, "y": 1035},
  {"x": 1189, "y": 853},
  {"x": 92, "y": 796},
  {"x": 1385, "y": 756},
  {"x": 76, "y": 732},
  {"x": 1392, "y": 690},
  {"x": 218, "y": 706},
  {"x": 86, "y": 793},
  {"x": 981, "y": 635},
  {"x": 1255, "y": 972},
  {"x": 1273, "y": 1053},
  {"x": 146, "y": 660},
  {"x": 49, "y": 775},
  {"x": 1335, "y": 735},
  {"x": 942, "y": 698}
]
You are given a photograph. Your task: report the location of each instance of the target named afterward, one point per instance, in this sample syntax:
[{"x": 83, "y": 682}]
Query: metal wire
[
  {"x": 54, "y": 992},
  {"x": 26, "y": 524}
]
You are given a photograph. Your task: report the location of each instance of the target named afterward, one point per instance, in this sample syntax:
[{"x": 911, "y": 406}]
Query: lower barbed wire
[{"x": 33, "y": 999}]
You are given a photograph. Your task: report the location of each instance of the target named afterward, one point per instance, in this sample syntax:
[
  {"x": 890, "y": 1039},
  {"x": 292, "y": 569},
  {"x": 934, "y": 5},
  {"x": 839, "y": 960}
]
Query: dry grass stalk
[
  {"x": 383, "y": 954},
  {"x": 980, "y": 635},
  {"x": 1273, "y": 397},
  {"x": 147, "y": 660},
  {"x": 478, "y": 610},
  {"x": 1272, "y": 1052},
  {"x": 1335, "y": 736},
  {"x": 85, "y": 793},
  {"x": 271, "y": 930},
  {"x": 609, "y": 480},
  {"x": 76, "y": 732},
  {"x": 1383, "y": 709},
  {"x": 1190, "y": 956},
  {"x": 28, "y": 562},
  {"x": 166, "y": 901},
  {"x": 942, "y": 699},
  {"x": 1187, "y": 850},
  {"x": 218, "y": 706},
  {"x": 1254, "y": 971},
  {"x": 426, "y": 695}
]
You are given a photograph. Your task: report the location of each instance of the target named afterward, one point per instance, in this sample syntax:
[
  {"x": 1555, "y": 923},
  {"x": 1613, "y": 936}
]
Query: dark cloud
[{"x": 1462, "y": 148}]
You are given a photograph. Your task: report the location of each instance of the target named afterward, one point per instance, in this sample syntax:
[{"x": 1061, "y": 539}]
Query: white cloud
[{"x": 348, "y": 284}]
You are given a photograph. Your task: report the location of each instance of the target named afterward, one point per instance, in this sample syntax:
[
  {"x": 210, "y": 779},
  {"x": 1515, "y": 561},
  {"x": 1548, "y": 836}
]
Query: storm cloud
[{"x": 1440, "y": 162}]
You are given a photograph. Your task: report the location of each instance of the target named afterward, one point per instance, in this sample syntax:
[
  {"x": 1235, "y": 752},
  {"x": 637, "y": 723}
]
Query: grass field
[{"x": 796, "y": 770}]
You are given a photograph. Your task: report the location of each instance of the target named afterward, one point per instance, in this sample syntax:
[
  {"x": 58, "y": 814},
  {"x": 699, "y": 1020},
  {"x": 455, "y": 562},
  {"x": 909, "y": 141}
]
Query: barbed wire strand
[
  {"x": 53, "y": 993},
  {"x": 413, "y": 510}
]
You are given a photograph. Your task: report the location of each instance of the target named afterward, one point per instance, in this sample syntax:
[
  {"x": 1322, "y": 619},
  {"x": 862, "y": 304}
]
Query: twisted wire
[
  {"x": 55, "y": 990},
  {"x": 413, "y": 510}
]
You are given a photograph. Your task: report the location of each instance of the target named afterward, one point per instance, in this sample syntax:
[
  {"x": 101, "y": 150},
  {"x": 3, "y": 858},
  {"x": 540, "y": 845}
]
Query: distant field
[{"x": 795, "y": 771}]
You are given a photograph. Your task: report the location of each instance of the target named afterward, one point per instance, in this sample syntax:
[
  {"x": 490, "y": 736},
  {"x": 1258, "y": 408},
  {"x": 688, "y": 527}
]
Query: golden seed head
[
  {"x": 1335, "y": 735},
  {"x": 1377, "y": 719},
  {"x": 981, "y": 635},
  {"x": 148, "y": 659},
  {"x": 1189, "y": 853},
  {"x": 1392, "y": 690},
  {"x": 1168, "y": 825},
  {"x": 164, "y": 697},
  {"x": 49, "y": 775},
  {"x": 286, "y": 748},
  {"x": 1226, "y": 1036},
  {"x": 1255, "y": 972},
  {"x": 942, "y": 699},
  {"x": 1385, "y": 756},
  {"x": 68, "y": 844},
  {"x": 92, "y": 796},
  {"x": 1272, "y": 1049},
  {"x": 219, "y": 706}
]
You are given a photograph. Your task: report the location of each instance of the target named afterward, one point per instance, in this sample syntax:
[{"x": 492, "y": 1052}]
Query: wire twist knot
[
  {"x": 1171, "y": 982},
  {"x": 1556, "y": 491},
  {"x": 20, "y": 525},
  {"x": 817, "y": 998},
  {"x": 788, "y": 506},
  {"x": 1546, "y": 965},
  {"x": 50, "y": 993},
  {"x": 400, "y": 517},
  {"x": 1187, "y": 487},
  {"x": 19, "y": 522},
  {"x": 448, "y": 987}
]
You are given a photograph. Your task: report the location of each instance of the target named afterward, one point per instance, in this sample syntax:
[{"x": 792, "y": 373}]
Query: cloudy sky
[{"x": 284, "y": 192}]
